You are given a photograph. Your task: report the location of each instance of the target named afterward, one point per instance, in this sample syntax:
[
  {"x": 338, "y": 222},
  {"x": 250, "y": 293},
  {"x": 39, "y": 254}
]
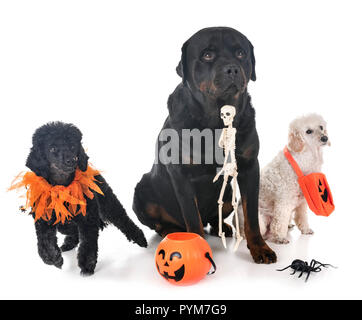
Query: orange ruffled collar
[{"x": 65, "y": 202}]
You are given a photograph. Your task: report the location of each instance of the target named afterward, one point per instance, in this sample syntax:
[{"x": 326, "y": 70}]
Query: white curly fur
[{"x": 280, "y": 195}]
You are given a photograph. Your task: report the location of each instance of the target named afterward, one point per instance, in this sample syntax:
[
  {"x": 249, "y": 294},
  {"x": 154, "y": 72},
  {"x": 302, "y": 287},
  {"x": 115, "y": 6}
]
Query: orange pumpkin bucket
[
  {"x": 184, "y": 258},
  {"x": 315, "y": 188}
]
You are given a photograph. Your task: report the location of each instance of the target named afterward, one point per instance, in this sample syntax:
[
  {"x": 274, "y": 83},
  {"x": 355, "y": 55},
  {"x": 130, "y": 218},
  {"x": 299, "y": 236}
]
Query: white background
[{"x": 109, "y": 67}]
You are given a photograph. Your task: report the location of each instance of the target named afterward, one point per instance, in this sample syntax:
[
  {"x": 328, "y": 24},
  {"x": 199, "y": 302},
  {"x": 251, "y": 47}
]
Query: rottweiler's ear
[
  {"x": 182, "y": 66},
  {"x": 82, "y": 159},
  {"x": 37, "y": 163},
  {"x": 252, "y": 58}
]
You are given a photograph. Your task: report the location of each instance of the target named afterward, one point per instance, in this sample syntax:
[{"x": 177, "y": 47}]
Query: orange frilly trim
[{"x": 43, "y": 198}]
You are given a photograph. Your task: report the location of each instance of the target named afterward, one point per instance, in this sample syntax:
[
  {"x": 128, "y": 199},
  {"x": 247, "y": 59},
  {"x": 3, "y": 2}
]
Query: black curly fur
[{"x": 56, "y": 153}]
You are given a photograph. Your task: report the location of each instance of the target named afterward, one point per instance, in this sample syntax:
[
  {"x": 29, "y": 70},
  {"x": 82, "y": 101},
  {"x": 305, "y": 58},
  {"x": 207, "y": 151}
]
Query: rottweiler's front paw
[
  {"x": 51, "y": 255},
  {"x": 263, "y": 254}
]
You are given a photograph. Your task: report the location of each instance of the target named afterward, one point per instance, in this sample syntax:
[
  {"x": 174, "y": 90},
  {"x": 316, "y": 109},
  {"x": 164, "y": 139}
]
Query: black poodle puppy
[{"x": 55, "y": 155}]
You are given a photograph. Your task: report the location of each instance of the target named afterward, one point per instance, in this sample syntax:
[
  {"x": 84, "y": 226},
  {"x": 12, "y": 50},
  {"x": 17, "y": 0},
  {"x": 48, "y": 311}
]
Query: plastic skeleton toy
[{"x": 227, "y": 142}]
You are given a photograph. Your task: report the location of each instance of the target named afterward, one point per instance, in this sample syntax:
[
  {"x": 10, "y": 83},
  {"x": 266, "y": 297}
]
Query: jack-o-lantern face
[
  {"x": 172, "y": 266},
  {"x": 183, "y": 258},
  {"x": 324, "y": 194},
  {"x": 317, "y": 193}
]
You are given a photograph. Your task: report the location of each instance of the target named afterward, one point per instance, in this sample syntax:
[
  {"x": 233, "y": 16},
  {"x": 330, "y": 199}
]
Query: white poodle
[{"x": 280, "y": 195}]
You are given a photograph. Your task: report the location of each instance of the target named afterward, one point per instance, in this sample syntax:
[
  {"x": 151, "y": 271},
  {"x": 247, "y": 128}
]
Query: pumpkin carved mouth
[{"x": 179, "y": 274}]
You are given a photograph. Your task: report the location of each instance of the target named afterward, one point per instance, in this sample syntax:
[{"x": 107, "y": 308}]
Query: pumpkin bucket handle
[{"x": 207, "y": 255}]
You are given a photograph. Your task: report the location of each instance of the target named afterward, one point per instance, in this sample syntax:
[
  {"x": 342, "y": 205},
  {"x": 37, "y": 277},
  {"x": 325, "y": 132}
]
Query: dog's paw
[
  {"x": 86, "y": 272},
  {"x": 88, "y": 269},
  {"x": 140, "y": 239},
  {"x": 59, "y": 262},
  {"x": 307, "y": 231},
  {"x": 67, "y": 247},
  {"x": 262, "y": 254},
  {"x": 51, "y": 256},
  {"x": 87, "y": 263},
  {"x": 69, "y": 243},
  {"x": 278, "y": 240},
  {"x": 226, "y": 228}
]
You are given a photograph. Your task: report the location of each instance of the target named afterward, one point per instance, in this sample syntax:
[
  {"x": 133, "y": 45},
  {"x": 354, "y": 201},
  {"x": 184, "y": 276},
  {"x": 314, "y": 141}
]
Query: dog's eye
[
  {"x": 321, "y": 127},
  {"x": 208, "y": 56},
  {"x": 239, "y": 54},
  {"x": 309, "y": 131},
  {"x": 175, "y": 255},
  {"x": 53, "y": 149},
  {"x": 228, "y": 113}
]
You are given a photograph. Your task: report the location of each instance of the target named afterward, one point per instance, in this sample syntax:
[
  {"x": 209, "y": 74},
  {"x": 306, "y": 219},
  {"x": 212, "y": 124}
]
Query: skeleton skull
[{"x": 227, "y": 114}]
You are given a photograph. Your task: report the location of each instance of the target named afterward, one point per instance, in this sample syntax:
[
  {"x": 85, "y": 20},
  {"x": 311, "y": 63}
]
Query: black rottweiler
[{"x": 216, "y": 66}]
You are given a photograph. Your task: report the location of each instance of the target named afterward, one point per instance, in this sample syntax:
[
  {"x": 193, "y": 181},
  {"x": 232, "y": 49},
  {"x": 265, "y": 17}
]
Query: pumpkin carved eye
[
  {"x": 175, "y": 255},
  {"x": 162, "y": 252},
  {"x": 324, "y": 194}
]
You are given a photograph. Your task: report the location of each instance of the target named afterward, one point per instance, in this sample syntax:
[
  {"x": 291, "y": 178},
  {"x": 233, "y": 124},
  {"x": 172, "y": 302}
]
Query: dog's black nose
[
  {"x": 324, "y": 139},
  {"x": 231, "y": 70}
]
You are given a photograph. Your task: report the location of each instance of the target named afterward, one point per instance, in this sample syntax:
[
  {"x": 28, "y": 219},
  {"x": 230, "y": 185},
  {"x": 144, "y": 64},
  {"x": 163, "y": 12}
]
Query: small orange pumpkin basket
[
  {"x": 184, "y": 258},
  {"x": 315, "y": 188}
]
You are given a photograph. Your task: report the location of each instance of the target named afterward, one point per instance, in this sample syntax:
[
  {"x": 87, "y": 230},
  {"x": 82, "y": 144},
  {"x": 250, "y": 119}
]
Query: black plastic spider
[{"x": 303, "y": 266}]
